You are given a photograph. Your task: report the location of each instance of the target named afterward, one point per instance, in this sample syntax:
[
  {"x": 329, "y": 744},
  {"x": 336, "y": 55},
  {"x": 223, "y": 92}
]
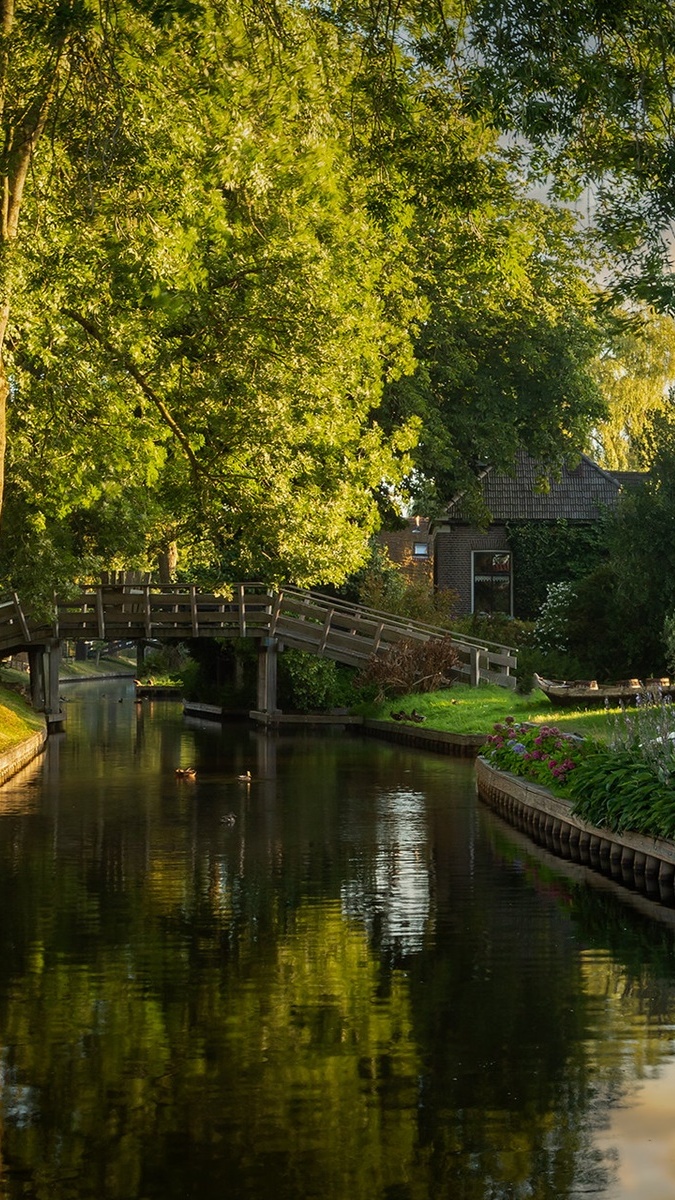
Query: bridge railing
[
  {"x": 352, "y": 633},
  {"x": 306, "y": 620},
  {"x": 173, "y": 612}
]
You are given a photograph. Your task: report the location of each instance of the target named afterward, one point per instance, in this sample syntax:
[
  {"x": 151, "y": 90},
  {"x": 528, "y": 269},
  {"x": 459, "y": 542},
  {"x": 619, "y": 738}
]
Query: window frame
[{"x": 503, "y": 553}]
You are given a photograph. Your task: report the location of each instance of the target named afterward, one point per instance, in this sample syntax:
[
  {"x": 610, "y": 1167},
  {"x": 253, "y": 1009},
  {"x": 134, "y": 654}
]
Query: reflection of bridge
[{"x": 288, "y": 616}]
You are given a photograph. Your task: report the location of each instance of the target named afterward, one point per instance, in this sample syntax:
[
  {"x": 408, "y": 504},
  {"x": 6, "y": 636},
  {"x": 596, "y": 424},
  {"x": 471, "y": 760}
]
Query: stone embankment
[
  {"x": 19, "y": 756},
  {"x": 641, "y": 863}
]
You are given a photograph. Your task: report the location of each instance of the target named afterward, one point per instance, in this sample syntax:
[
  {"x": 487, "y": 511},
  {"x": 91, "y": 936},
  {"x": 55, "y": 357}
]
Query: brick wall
[
  {"x": 400, "y": 543},
  {"x": 452, "y": 556}
]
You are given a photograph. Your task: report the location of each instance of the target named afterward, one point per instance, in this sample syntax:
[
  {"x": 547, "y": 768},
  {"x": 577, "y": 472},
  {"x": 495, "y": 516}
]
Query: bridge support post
[
  {"x": 37, "y": 677},
  {"x": 44, "y": 664},
  {"x": 267, "y": 675},
  {"x": 140, "y": 657}
]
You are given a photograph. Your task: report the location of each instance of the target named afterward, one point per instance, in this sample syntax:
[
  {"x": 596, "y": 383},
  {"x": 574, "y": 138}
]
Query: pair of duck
[
  {"x": 191, "y": 772},
  {"x": 417, "y": 717}
]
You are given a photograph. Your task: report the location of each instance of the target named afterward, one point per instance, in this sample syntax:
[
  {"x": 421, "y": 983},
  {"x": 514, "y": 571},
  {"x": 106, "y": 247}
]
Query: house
[
  {"x": 478, "y": 564},
  {"x": 410, "y": 546}
]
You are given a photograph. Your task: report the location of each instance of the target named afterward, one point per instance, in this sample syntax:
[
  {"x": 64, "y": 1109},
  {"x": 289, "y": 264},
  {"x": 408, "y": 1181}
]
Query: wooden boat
[{"x": 589, "y": 691}]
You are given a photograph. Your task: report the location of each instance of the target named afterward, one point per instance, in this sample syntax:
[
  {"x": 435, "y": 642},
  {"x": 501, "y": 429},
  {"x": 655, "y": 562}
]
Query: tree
[
  {"x": 635, "y": 373},
  {"x": 237, "y": 245},
  {"x": 223, "y": 317},
  {"x": 588, "y": 89},
  {"x": 616, "y": 619},
  {"x": 505, "y": 352}
]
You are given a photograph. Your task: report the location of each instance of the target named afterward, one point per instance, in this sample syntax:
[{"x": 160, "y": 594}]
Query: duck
[
  {"x": 245, "y": 778},
  {"x": 417, "y": 717},
  {"x": 229, "y": 819},
  {"x": 186, "y": 772},
  {"x": 397, "y": 716}
]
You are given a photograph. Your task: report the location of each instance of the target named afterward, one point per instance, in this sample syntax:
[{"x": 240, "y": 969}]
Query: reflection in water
[
  {"x": 393, "y": 894},
  {"x": 346, "y": 980}
]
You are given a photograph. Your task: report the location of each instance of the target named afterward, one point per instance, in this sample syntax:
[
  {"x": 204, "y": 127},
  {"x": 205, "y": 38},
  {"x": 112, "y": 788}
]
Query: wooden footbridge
[{"x": 276, "y": 617}]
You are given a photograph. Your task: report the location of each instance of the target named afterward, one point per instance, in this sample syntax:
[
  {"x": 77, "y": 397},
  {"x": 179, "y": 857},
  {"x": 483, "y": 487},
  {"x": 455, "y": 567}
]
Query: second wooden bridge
[{"x": 277, "y": 617}]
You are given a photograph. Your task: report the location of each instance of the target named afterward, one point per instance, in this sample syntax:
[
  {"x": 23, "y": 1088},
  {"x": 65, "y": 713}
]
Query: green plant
[
  {"x": 307, "y": 683},
  {"x": 555, "y": 552},
  {"x": 669, "y": 639},
  {"x": 621, "y": 791},
  {"x": 538, "y": 752}
]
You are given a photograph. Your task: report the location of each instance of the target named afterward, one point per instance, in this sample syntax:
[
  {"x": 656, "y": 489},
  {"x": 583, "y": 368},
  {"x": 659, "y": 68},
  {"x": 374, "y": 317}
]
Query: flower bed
[
  {"x": 538, "y": 752},
  {"x": 628, "y": 785}
]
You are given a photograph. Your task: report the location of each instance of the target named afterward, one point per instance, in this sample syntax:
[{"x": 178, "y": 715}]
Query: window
[
  {"x": 491, "y": 581},
  {"x": 420, "y": 550}
]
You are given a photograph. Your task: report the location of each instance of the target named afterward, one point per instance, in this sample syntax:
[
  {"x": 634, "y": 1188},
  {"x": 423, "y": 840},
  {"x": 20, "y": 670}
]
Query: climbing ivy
[{"x": 555, "y": 552}]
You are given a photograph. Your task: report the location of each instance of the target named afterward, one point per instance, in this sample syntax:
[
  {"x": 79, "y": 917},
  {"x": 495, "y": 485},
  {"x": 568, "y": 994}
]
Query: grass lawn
[
  {"x": 463, "y": 709},
  {"x": 122, "y": 665},
  {"x": 17, "y": 719}
]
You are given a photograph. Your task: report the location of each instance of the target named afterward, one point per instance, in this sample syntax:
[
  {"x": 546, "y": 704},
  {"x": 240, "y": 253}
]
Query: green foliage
[
  {"x": 669, "y": 640},
  {"x": 389, "y": 587},
  {"x": 310, "y": 684},
  {"x": 631, "y": 785},
  {"x": 635, "y": 371},
  {"x": 555, "y": 553},
  {"x": 620, "y": 791},
  {"x": 169, "y": 661},
  {"x": 590, "y": 89},
  {"x": 551, "y": 627},
  {"x": 617, "y": 621},
  {"x": 505, "y": 358},
  {"x": 542, "y": 753},
  {"x": 257, "y": 253}
]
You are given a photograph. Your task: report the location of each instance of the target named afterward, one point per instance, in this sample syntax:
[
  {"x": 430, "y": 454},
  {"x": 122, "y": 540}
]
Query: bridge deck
[{"x": 305, "y": 620}]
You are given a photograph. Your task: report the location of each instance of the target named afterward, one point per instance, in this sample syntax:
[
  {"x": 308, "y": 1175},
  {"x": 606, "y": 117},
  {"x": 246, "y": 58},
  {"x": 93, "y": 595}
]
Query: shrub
[
  {"x": 307, "y": 683},
  {"x": 410, "y": 666},
  {"x": 396, "y": 588}
]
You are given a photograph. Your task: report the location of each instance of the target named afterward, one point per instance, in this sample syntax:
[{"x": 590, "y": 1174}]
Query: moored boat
[{"x": 589, "y": 691}]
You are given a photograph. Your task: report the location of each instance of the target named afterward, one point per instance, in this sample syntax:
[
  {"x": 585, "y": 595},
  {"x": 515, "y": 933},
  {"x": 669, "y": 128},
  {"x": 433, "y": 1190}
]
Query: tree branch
[{"x": 90, "y": 327}]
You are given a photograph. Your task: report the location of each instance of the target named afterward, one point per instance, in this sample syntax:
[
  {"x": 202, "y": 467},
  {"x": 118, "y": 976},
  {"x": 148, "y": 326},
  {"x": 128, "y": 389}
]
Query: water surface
[{"x": 347, "y": 980}]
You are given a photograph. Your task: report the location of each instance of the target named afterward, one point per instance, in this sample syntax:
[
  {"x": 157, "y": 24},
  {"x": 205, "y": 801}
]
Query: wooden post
[
  {"x": 37, "y": 677},
  {"x": 267, "y": 675},
  {"x": 52, "y": 664},
  {"x": 474, "y": 666},
  {"x": 140, "y": 657}
]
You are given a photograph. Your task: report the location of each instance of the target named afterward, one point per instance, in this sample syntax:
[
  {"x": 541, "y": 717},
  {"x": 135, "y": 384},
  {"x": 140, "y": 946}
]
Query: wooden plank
[
  {"x": 276, "y": 609},
  {"x": 501, "y": 660},
  {"x": 100, "y": 614},
  {"x": 241, "y": 598},
  {"x": 500, "y": 678},
  {"x": 148, "y": 612},
  {"x": 22, "y": 620},
  {"x": 326, "y": 631}
]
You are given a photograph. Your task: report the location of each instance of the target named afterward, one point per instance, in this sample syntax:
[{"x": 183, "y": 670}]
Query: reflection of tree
[
  {"x": 291, "y": 1074},
  {"x": 193, "y": 1009}
]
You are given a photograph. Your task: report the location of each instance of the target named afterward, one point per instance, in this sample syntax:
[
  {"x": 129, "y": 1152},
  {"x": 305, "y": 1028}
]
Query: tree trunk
[{"x": 167, "y": 560}]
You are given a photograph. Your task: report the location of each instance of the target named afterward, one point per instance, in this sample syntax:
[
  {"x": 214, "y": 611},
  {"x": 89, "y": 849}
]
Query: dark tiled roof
[
  {"x": 629, "y": 479},
  {"x": 580, "y": 494}
]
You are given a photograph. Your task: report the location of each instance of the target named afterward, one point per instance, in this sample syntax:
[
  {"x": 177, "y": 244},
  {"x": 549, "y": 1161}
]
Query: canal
[{"x": 345, "y": 979}]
